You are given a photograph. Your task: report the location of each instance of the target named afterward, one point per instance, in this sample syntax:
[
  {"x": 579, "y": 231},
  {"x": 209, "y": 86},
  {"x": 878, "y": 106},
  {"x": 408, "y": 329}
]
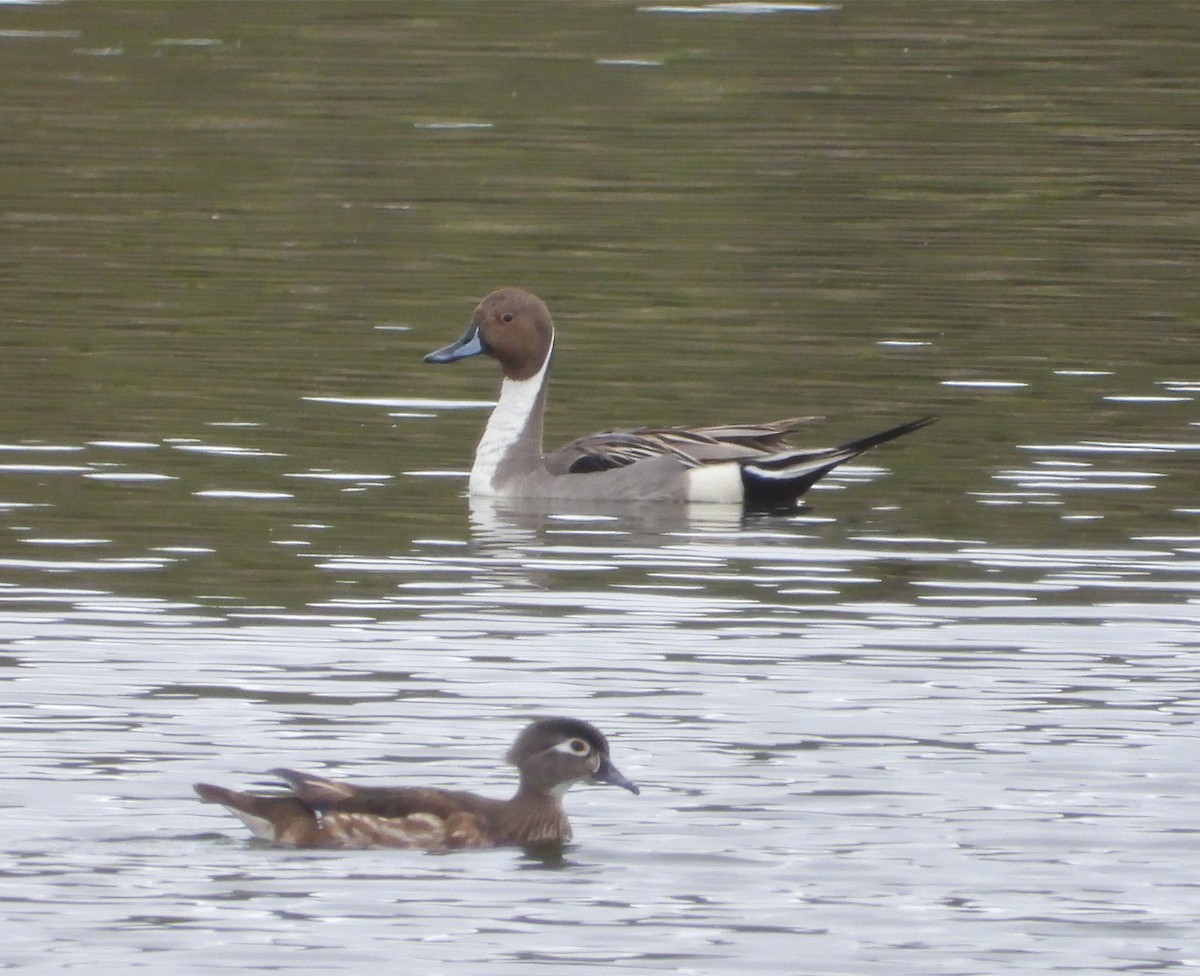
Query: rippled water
[{"x": 941, "y": 721}]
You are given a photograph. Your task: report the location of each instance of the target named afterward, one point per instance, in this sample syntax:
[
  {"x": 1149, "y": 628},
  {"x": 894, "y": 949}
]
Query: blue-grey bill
[
  {"x": 469, "y": 345},
  {"x": 608, "y": 773}
]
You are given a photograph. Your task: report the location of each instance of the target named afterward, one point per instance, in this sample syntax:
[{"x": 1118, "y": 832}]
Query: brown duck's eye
[
  {"x": 579, "y": 747},
  {"x": 507, "y": 317}
]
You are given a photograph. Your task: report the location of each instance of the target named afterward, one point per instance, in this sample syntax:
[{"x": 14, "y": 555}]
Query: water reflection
[{"x": 500, "y": 520}]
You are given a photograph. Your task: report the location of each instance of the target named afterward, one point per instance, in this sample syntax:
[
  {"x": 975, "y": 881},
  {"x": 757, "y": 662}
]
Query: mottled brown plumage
[{"x": 552, "y": 754}]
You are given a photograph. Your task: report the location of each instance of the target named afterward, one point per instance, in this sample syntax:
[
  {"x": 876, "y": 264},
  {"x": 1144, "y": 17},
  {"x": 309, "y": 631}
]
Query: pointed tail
[
  {"x": 777, "y": 481},
  {"x": 282, "y": 819}
]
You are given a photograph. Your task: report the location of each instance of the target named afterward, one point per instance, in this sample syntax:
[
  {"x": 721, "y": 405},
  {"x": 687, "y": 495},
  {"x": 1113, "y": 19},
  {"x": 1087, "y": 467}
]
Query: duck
[
  {"x": 751, "y": 465},
  {"x": 551, "y": 755}
]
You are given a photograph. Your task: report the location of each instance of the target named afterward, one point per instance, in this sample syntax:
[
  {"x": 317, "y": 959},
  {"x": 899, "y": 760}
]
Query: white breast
[{"x": 506, "y": 426}]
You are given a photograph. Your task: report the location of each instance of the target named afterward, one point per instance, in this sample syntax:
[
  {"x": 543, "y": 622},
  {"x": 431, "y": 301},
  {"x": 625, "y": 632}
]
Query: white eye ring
[{"x": 573, "y": 747}]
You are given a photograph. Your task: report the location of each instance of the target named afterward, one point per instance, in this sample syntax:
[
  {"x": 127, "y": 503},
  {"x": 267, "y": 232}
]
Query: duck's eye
[
  {"x": 575, "y": 747},
  {"x": 506, "y": 317}
]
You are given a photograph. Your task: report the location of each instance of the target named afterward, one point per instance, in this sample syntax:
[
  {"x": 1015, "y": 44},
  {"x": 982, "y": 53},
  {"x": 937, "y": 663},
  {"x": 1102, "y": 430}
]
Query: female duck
[{"x": 551, "y": 754}]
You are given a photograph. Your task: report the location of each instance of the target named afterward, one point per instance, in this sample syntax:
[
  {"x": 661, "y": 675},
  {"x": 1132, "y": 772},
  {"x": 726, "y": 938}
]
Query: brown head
[
  {"x": 510, "y": 325},
  {"x": 553, "y": 754}
]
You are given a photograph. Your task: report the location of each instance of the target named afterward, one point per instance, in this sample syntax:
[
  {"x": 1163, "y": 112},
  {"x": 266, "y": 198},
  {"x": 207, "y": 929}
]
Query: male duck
[
  {"x": 552, "y": 755},
  {"x": 741, "y": 464}
]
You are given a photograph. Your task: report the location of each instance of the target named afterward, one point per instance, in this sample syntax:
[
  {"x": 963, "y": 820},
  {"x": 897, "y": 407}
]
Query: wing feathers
[
  {"x": 773, "y": 474},
  {"x": 691, "y": 445},
  {"x": 323, "y": 813}
]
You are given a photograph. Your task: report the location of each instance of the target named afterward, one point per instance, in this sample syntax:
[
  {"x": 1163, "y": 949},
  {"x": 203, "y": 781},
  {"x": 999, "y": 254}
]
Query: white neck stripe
[{"x": 506, "y": 426}]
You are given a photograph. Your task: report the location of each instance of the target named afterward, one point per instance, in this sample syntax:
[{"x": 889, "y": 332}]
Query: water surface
[{"x": 941, "y": 721}]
